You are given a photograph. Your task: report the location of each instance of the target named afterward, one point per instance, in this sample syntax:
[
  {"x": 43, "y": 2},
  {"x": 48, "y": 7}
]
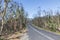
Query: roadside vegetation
[
  {"x": 12, "y": 17},
  {"x": 49, "y": 21}
]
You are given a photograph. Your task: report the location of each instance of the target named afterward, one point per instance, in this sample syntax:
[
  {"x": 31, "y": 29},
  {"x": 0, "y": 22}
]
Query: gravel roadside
[{"x": 25, "y": 37}]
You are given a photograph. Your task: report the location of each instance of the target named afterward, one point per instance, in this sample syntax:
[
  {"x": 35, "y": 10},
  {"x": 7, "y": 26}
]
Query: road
[{"x": 37, "y": 34}]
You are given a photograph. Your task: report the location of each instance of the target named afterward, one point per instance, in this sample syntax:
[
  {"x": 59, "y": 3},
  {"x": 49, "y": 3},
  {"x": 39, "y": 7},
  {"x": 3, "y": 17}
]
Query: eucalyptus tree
[
  {"x": 45, "y": 19},
  {"x": 58, "y": 19},
  {"x": 4, "y": 12},
  {"x": 39, "y": 15},
  {"x": 13, "y": 13},
  {"x": 0, "y": 13}
]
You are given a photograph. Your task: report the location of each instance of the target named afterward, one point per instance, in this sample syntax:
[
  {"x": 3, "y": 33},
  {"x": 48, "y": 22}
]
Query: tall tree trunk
[
  {"x": 15, "y": 24},
  {"x": 4, "y": 12}
]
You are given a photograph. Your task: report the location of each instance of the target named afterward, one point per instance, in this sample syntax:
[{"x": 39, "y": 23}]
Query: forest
[
  {"x": 12, "y": 17},
  {"x": 50, "y": 19}
]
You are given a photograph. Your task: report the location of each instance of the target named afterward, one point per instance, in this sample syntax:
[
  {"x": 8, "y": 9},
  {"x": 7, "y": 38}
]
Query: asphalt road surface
[{"x": 37, "y": 34}]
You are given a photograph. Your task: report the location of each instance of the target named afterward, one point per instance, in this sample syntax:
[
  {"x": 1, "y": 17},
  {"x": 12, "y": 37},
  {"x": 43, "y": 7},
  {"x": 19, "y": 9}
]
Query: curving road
[{"x": 36, "y": 34}]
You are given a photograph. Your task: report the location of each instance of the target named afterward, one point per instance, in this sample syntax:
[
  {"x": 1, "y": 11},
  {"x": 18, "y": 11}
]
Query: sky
[{"x": 31, "y": 6}]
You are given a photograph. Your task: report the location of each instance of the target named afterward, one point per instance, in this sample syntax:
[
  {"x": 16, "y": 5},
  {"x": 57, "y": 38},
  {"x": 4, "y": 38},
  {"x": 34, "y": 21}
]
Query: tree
[
  {"x": 4, "y": 12},
  {"x": 58, "y": 19},
  {"x": 13, "y": 17},
  {"x": 39, "y": 15}
]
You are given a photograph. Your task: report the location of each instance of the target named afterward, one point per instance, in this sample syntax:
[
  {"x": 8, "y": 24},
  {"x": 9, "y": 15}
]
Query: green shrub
[
  {"x": 24, "y": 25},
  {"x": 53, "y": 27},
  {"x": 1, "y": 39}
]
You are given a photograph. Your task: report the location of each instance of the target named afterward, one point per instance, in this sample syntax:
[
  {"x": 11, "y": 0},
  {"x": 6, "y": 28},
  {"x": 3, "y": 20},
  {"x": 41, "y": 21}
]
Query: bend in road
[{"x": 35, "y": 34}]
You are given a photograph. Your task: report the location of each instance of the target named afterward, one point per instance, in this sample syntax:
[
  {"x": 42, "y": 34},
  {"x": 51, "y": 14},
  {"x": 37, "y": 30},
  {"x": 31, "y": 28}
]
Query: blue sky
[{"x": 31, "y": 6}]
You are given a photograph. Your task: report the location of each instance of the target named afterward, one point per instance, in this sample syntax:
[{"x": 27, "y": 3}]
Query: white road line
[{"x": 42, "y": 33}]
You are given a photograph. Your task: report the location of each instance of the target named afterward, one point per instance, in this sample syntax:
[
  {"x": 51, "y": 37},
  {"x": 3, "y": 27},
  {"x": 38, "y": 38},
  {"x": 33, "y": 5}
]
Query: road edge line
[{"x": 42, "y": 34}]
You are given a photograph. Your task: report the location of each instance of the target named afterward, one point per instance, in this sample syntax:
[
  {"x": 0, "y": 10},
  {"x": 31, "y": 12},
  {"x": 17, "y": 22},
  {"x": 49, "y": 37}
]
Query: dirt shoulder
[{"x": 15, "y": 36}]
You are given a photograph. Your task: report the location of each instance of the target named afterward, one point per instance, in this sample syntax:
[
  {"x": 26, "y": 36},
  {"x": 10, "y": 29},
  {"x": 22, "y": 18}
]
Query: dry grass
[
  {"x": 15, "y": 36},
  {"x": 57, "y": 32}
]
